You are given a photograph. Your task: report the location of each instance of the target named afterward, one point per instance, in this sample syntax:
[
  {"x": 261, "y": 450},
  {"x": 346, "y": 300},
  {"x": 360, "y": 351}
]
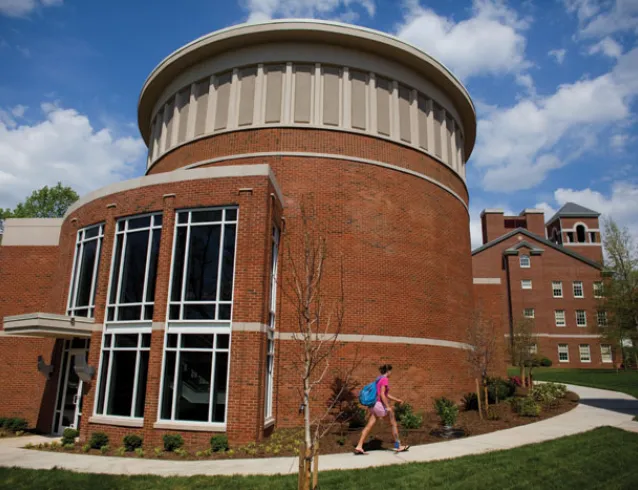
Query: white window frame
[
  {"x": 601, "y": 315},
  {"x": 564, "y": 351},
  {"x": 533, "y": 349},
  {"x": 270, "y": 342},
  {"x": 584, "y": 318},
  {"x": 155, "y": 226},
  {"x": 598, "y": 289},
  {"x": 586, "y": 358},
  {"x": 606, "y": 358},
  {"x": 557, "y": 318},
  {"x": 528, "y": 310},
  {"x": 112, "y": 331},
  {"x": 526, "y": 284},
  {"x": 80, "y": 242},
  {"x": 557, "y": 289},
  {"x": 579, "y": 285},
  {"x": 525, "y": 262},
  {"x": 218, "y": 302}
]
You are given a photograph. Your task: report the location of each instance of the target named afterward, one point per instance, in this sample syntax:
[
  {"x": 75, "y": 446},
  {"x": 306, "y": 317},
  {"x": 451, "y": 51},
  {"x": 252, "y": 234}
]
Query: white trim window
[
  {"x": 86, "y": 264},
  {"x": 557, "y": 289},
  {"x": 526, "y": 284},
  {"x": 606, "y": 355},
  {"x": 533, "y": 349},
  {"x": 601, "y": 318},
  {"x": 134, "y": 269},
  {"x": 270, "y": 348},
  {"x": 528, "y": 312},
  {"x": 195, "y": 377},
  {"x": 559, "y": 318},
  {"x": 598, "y": 289},
  {"x": 203, "y": 266},
  {"x": 578, "y": 289},
  {"x": 121, "y": 388},
  {"x": 584, "y": 352},
  {"x": 563, "y": 353},
  {"x": 581, "y": 318},
  {"x": 525, "y": 262}
]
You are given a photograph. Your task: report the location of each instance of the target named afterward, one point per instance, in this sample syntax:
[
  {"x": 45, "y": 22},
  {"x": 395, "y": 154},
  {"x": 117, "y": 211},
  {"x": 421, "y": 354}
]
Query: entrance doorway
[{"x": 68, "y": 403}]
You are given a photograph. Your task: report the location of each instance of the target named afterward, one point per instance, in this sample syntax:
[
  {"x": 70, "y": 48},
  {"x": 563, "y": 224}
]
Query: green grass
[
  {"x": 601, "y": 459},
  {"x": 608, "y": 379}
]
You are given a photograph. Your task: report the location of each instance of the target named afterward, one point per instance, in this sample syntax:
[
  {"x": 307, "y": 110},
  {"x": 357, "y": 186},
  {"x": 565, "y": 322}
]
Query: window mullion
[
  {"x": 185, "y": 268},
  {"x": 120, "y": 274},
  {"x": 219, "y": 269},
  {"x": 138, "y": 355},
  {"x": 108, "y": 377},
  {"x": 76, "y": 280},
  {"x": 211, "y": 396},
  {"x": 148, "y": 260},
  {"x": 98, "y": 249},
  {"x": 177, "y": 368}
]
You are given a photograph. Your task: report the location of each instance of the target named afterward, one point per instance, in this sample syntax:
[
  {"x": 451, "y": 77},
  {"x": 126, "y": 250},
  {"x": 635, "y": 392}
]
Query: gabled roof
[
  {"x": 544, "y": 241},
  {"x": 573, "y": 210},
  {"x": 533, "y": 249}
]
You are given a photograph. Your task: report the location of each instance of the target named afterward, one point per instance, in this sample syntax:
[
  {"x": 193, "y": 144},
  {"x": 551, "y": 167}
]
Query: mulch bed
[{"x": 285, "y": 442}]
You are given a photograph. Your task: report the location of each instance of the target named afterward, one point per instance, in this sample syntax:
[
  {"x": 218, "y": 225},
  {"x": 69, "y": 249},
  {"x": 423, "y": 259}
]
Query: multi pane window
[
  {"x": 195, "y": 383},
  {"x": 585, "y": 353},
  {"x": 581, "y": 318},
  {"x": 524, "y": 261},
  {"x": 270, "y": 349},
  {"x": 563, "y": 353},
  {"x": 598, "y": 289},
  {"x": 203, "y": 265},
  {"x": 528, "y": 312},
  {"x": 557, "y": 289},
  {"x": 526, "y": 284},
  {"x": 134, "y": 269},
  {"x": 605, "y": 353},
  {"x": 533, "y": 349},
  {"x": 86, "y": 264},
  {"x": 578, "y": 289},
  {"x": 601, "y": 317},
  {"x": 123, "y": 374},
  {"x": 559, "y": 317}
]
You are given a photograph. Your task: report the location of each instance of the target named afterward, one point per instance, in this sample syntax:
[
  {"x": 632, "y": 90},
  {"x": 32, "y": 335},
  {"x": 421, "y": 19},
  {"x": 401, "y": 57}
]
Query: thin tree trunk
[
  {"x": 315, "y": 468},
  {"x": 478, "y": 397},
  {"x": 487, "y": 403}
]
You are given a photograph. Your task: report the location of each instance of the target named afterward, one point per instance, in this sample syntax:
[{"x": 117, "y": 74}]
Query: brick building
[
  {"x": 158, "y": 304},
  {"x": 557, "y": 282}
]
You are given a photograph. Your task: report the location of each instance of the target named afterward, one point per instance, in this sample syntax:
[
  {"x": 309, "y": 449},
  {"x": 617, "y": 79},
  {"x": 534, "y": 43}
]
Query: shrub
[
  {"x": 69, "y": 435},
  {"x": 548, "y": 394},
  {"x": 139, "y": 451},
  {"x": 181, "y": 452},
  {"x": 132, "y": 442},
  {"x": 172, "y": 442},
  {"x": 98, "y": 440},
  {"x": 68, "y": 447},
  {"x": 2, "y": 422},
  {"x": 15, "y": 424},
  {"x": 219, "y": 443},
  {"x": 470, "y": 401},
  {"x": 86, "y": 448},
  {"x": 447, "y": 410},
  {"x": 105, "y": 449},
  {"x": 357, "y": 417},
  {"x": 499, "y": 389},
  {"x": 158, "y": 452},
  {"x": 546, "y": 362},
  {"x": 492, "y": 415},
  {"x": 406, "y": 416},
  {"x": 120, "y": 451},
  {"x": 526, "y": 407},
  {"x": 516, "y": 380}
]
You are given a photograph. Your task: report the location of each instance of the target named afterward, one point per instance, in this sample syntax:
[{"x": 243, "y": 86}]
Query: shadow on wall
[{"x": 44, "y": 423}]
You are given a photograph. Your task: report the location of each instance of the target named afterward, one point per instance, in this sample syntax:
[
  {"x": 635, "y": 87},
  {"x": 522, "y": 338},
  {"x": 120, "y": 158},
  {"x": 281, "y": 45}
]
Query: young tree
[
  {"x": 521, "y": 344},
  {"x": 47, "y": 202},
  {"x": 482, "y": 335}
]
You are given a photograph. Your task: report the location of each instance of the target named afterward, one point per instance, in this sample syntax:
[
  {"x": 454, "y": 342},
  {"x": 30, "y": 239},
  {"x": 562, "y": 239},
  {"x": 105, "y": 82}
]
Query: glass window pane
[
  {"x": 148, "y": 312},
  {"x": 129, "y": 313},
  {"x": 122, "y": 378},
  {"x": 193, "y": 386},
  {"x": 157, "y": 220},
  {"x": 143, "y": 222},
  {"x": 182, "y": 217},
  {"x": 92, "y": 232},
  {"x": 141, "y": 384},
  {"x": 223, "y": 341},
  {"x": 197, "y": 341},
  {"x": 103, "y": 371},
  {"x": 134, "y": 267},
  {"x": 199, "y": 312},
  {"x": 231, "y": 215},
  {"x": 224, "y": 312},
  {"x": 172, "y": 340},
  {"x": 206, "y": 216},
  {"x": 146, "y": 340},
  {"x": 152, "y": 266},
  {"x": 84, "y": 312},
  {"x": 126, "y": 340},
  {"x": 203, "y": 257},
  {"x": 167, "y": 391},
  {"x": 228, "y": 264},
  {"x": 178, "y": 264},
  {"x": 110, "y": 313},
  {"x": 219, "y": 395},
  {"x": 87, "y": 264},
  {"x": 173, "y": 313},
  {"x": 107, "y": 340},
  {"x": 115, "y": 273},
  {"x": 120, "y": 225}
]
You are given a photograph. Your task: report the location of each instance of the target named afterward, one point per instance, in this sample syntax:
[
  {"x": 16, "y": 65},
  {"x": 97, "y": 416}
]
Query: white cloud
[
  {"x": 599, "y": 19},
  {"x": 618, "y": 141},
  {"x": 346, "y": 10},
  {"x": 490, "y": 41},
  {"x": 21, "y": 8},
  {"x": 19, "y": 110},
  {"x": 558, "y": 55},
  {"x": 519, "y": 145},
  {"x": 608, "y": 47},
  {"x": 63, "y": 146}
]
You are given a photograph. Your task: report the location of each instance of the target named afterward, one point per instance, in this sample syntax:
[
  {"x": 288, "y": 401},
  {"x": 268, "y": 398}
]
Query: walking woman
[{"x": 382, "y": 409}]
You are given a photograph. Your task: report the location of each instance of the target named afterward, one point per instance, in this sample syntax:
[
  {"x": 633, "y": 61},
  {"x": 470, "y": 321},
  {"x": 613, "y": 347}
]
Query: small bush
[
  {"x": 546, "y": 362},
  {"x": 341, "y": 441},
  {"x": 139, "y": 451},
  {"x": 219, "y": 443},
  {"x": 181, "y": 452},
  {"x": 470, "y": 402},
  {"x": 516, "y": 380},
  {"x": 120, "y": 451},
  {"x": 406, "y": 416},
  {"x": 98, "y": 440},
  {"x": 105, "y": 449},
  {"x": 68, "y": 447},
  {"x": 69, "y": 435},
  {"x": 86, "y": 448},
  {"x": 548, "y": 394},
  {"x": 2, "y": 422},
  {"x": 132, "y": 442},
  {"x": 526, "y": 407},
  {"x": 15, "y": 424},
  {"x": 492, "y": 415},
  {"x": 356, "y": 417},
  {"x": 55, "y": 445},
  {"x": 172, "y": 442},
  {"x": 447, "y": 410},
  {"x": 207, "y": 452},
  {"x": 499, "y": 389},
  {"x": 158, "y": 452}
]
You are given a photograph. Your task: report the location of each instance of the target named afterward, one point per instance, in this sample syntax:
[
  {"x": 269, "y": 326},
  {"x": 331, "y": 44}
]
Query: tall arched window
[{"x": 580, "y": 234}]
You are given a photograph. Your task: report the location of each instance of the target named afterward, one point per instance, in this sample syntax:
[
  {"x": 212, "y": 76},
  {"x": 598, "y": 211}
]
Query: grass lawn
[
  {"x": 625, "y": 381},
  {"x": 603, "y": 458}
]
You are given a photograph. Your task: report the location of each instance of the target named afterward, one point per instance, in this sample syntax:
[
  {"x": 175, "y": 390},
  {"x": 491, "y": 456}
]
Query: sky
[{"x": 554, "y": 82}]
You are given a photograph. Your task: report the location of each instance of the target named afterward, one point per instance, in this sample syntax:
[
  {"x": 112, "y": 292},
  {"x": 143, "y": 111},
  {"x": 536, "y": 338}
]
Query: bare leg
[
  {"x": 395, "y": 430},
  {"x": 366, "y": 431}
]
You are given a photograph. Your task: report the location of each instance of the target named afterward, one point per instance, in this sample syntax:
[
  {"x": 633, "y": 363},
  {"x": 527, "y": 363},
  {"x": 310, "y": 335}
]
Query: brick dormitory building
[{"x": 158, "y": 304}]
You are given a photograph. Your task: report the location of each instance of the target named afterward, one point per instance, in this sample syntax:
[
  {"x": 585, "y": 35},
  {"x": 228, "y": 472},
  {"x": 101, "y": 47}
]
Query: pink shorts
[{"x": 378, "y": 410}]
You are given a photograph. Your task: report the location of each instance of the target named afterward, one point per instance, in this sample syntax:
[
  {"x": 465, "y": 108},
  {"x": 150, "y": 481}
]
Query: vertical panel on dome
[
  {"x": 449, "y": 125},
  {"x": 331, "y": 95},
  {"x": 222, "y": 87},
  {"x": 423, "y": 121},
  {"x": 274, "y": 80},
  {"x": 169, "y": 112},
  {"x": 383, "y": 106},
  {"x": 303, "y": 93},
  {"x": 247, "y": 95},
  {"x": 405, "y": 130},
  {"x": 201, "y": 105},
  {"x": 358, "y": 113},
  {"x": 438, "y": 137},
  {"x": 183, "y": 107}
]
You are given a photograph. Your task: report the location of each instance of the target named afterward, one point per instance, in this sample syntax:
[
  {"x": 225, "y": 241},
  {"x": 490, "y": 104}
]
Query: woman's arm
[{"x": 394, "y": 399}]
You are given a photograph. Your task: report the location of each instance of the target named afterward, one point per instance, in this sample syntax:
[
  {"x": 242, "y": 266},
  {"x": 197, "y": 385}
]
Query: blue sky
[{"x": 554, "y": 82}]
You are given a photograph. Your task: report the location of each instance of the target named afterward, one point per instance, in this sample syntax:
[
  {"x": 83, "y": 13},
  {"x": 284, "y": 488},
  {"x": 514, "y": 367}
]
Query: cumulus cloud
[
  {"x": 62, "y": 146},
  {"x": 490, "y": 41},
  {"x": 519, "y": 145},
  {"x": 22, "y": 8},
  {"x": 608, "y": 47},
  {"x": 346, "y": 10},
  {"x": 598, "y": 19},
  {"x": 558, "y": 55}
]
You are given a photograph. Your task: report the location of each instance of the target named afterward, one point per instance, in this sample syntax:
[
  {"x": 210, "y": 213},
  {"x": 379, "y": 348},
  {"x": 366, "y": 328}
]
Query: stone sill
[
  {"x": 190, "y": 426},
  {"x": 119, "y": 421}
]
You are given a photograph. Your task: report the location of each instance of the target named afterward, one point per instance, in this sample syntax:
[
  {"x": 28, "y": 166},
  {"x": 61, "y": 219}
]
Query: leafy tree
[
  {"x": 48, "y": 202},
  {"x": 521, "y": 345}
]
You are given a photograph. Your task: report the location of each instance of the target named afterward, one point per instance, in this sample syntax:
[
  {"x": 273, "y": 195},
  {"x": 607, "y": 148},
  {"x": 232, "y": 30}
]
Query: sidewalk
[{"x": 597, "y": 408}]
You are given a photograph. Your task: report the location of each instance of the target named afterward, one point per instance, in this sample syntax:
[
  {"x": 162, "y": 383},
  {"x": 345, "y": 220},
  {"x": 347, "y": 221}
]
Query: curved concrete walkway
[{"x": 597, "y": 408}]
